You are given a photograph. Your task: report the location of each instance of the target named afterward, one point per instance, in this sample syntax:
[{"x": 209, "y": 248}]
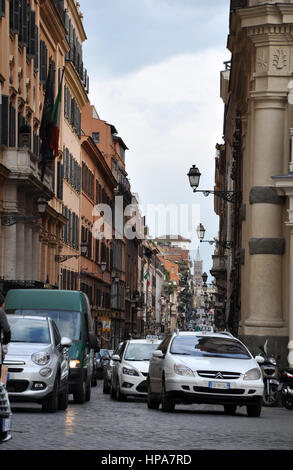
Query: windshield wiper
[{"x": 181, "y": 354}]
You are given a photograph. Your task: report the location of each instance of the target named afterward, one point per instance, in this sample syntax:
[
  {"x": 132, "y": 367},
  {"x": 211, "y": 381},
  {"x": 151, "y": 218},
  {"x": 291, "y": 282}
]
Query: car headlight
[
  {"x": 252, "y": 374},
  {"x": 41, "y": 358},
  {"x": 45, "y": 372},
  {"x": 74, "y": 364},
  {"x": 132, "y": 372},
  {"x": 183, "y": 370}
]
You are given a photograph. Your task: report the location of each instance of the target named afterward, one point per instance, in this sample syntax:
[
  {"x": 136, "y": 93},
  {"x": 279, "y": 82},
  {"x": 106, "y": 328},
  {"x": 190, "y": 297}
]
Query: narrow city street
[{"x": 104, "y": 424}]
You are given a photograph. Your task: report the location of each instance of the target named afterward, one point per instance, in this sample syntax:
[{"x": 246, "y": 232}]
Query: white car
[
  {"x": 38, "y": 363},
  {"x": 130, "y": 367},
  {"x": 205, "y": 367}
]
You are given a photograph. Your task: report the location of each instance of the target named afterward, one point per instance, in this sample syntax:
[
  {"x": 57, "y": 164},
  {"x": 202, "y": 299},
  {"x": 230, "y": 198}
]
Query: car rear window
[{"x": 208, "y": 346}]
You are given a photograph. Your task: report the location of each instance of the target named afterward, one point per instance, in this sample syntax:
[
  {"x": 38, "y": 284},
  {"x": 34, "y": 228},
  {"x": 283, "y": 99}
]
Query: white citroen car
[
  {"x": 130, "y": 367},
  {"x": 205, "y": 367}
]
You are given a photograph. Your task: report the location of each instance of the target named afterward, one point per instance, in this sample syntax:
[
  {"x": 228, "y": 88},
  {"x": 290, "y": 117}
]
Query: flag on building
[
  {"x": 147, "y": 277},
  {"x": 46, "y": 123},
  {"x": 56, "y": 113}
]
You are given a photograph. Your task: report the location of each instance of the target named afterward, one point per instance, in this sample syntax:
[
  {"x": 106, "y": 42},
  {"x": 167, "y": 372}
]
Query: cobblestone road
[{"x": 104, "y": 424}]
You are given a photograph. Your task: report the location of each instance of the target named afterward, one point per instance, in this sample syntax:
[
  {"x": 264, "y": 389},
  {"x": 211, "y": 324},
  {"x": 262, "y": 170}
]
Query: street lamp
[
  {"x": 194, "y": 176},
  {"x": 201, "y": 231},
  {"x": 103, "y": 266},
  {"x": 83, "y": 251},
  {"x": 204, "y": 278},
  {"x": 8, "y": 220}
]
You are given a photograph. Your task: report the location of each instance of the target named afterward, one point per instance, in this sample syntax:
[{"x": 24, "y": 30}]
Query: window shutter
[
  {"x": 12, "y": 124},
  {"x": 43, "y": 62},
  {"x": 71, "y": 169},
  {"x": 24, "y": 23},
  {"x": 15, "y": 16},
  {"x": 53, "y": 175},
  {"x": 2, "y": 8},
  {"x": 4, "y": 120},
  {"x": 36, "y": 57},
  {"x": 32, "y": 35}
]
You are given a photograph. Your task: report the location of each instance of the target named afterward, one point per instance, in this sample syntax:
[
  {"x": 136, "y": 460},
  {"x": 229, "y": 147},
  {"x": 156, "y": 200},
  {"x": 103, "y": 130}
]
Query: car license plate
[
  {"x": 6, "y": 424},
  {"x": 219, "y": 385}
]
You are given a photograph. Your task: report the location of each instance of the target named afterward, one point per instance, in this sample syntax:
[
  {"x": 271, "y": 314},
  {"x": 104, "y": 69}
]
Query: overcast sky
[{"x": 154, "y": 69}]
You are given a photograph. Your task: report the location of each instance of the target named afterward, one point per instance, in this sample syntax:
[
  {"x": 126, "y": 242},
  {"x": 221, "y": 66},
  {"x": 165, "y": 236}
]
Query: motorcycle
[
  {"x": 270, "y": 377},
  {"x": 286, "y": 388}
]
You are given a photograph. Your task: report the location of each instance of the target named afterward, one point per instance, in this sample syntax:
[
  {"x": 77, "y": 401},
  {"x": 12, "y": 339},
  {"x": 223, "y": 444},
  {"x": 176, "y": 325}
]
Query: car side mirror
[
  {"x": 116, "y": 358},
  {"x": 158, "y": 354},
  {"x": 259, "y": 359},
  {"x": 66, "y": 342}
]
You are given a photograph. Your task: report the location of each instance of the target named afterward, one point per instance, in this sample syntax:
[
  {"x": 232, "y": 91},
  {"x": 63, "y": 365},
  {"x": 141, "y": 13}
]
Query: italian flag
[
  {"x": 55, "y": 119},
  {"x": 146, "y": 277}
]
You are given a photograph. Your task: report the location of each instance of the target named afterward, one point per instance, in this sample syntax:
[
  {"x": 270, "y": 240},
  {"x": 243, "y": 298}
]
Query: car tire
[
  {"x": 119, "y": 395},
  {"x": 88, "y": 391},
  {"x": 106, "y": 388},
  {"x": 168, "y": 405},
  {"x": 79, "y": 394},
  {"x": 63, "y": 400},
  {"x": 112, "y": 392},
  {"x": 230, "y": 409},
  {"x": 254, "y": 411},
  {"x": 50, "y": 405},
  {"x": 153, "y": 404},
  {"x": 94, "y": 381}
]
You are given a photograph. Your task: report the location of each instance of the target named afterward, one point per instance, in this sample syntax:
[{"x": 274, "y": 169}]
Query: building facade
[{"x": 254, "y": 163}]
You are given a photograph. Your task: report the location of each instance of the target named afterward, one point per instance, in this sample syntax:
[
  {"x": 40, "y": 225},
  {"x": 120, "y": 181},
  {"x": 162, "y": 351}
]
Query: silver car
[{"x": 38, "y": 363}]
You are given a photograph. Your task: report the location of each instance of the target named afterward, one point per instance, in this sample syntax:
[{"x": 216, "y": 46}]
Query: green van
[{"x": 72, "y": 313}]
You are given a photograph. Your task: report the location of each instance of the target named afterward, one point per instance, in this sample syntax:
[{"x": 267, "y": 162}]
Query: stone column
[
  {"x": 35, "y": 255},
  {"x": 20, "y": 258},
  {"x": 28, "y": 243},
  {"x": 9, "y": 253},
  {"x": 266, "y": 244}
]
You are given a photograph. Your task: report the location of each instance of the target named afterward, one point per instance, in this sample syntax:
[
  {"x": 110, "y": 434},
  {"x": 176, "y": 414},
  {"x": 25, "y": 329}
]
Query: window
[
  {"x": 206, "y": 346},
  {"x": 96, "y": 137}
]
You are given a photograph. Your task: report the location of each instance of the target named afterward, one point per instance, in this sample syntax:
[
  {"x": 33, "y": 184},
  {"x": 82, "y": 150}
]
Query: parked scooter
[
  {"x": 270, "y": 377},
  {"x": 286, "y": 388}
]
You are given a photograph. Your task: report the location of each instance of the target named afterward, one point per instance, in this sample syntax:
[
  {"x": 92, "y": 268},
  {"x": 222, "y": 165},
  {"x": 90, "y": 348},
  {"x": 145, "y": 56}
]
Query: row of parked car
[{"x": 187, "y": 367}]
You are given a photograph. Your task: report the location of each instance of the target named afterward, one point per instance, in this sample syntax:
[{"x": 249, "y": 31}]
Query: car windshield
[
  {"x": 68, "y": 323},
  {"x": 140, "y": 351},
  {"x": 208, "y": 346},
  {"x": 104, "y": 353},
  {"x": 28, "y": 330}
]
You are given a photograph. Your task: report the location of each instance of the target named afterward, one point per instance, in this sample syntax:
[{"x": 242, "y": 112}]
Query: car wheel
[
  {"x": 88, "y": 391},
  {"x": 94, "y": 381},
  {"x": 79, "y": 394},
  {"x": 119, "y": 395},
  {"x": 106, "y": 388},
  {"x": 168, "y": 405},
  {"x": 153, "y": 404},
  {"x": 51, "y": 404},
  {"x": 63, "y": 400},
  {"x": 254, "y": 411},
  {"x": 230, "y": 409}
]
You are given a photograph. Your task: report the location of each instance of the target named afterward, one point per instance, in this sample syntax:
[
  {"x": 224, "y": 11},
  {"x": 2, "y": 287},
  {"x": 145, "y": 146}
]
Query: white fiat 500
[
  {"x": 205, "y": 367},
  {"x": 130, "y": 367}
]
